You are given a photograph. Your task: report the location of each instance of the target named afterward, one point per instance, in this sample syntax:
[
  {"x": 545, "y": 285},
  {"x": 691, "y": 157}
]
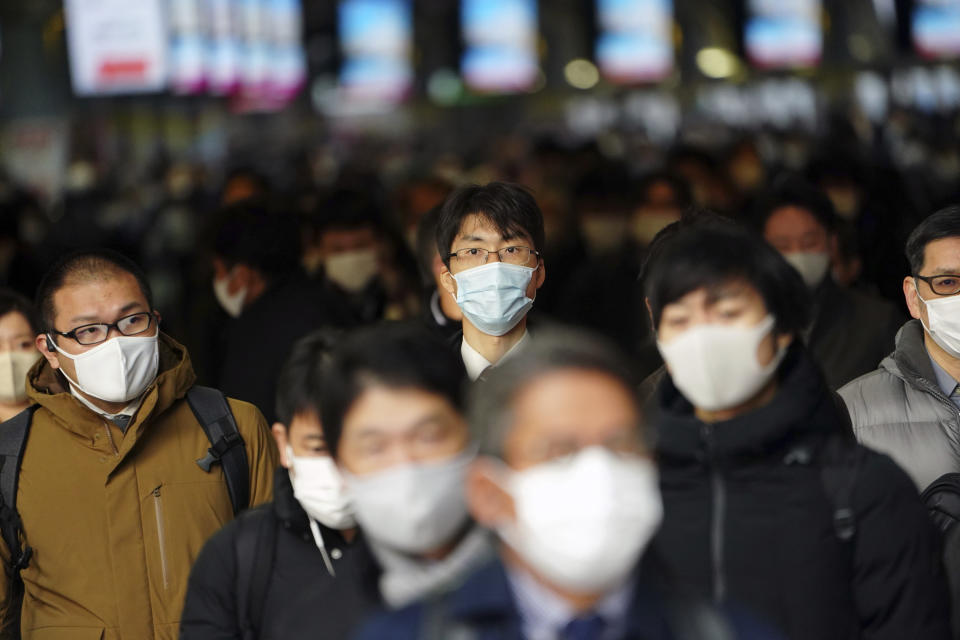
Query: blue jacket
[{"x": 483, "y": 608}]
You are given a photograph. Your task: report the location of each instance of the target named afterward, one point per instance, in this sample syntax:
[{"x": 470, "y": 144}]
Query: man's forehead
[
  {"x": 477, "y": 226},
  {"x": 117, "y": 289},
  {"x": 942, "y": 256}
]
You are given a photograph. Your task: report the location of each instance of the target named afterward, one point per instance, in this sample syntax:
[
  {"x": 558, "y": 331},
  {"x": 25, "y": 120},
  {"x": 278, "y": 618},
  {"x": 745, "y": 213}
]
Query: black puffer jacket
[
  {"x": 748, "y": 520},
  {"x": 302, "y": 599}
]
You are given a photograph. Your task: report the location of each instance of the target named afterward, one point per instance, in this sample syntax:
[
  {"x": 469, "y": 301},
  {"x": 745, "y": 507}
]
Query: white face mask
[
  {"x": 352, "y": 271},
  {"x": 943, "y": 322},
  {"x": 320, "y": 490},
  {"x": 118, "y": 370},
  {"x": 413, "y": 508},
  {"x": 13, "y": 375},
  {"x": 583, "y": 523},
  {"x": 231, "y": 303},
  {"x": 813, "y": 267},
  {"x": 493, "y": 297},
  {"x": 715, "y": 366}
]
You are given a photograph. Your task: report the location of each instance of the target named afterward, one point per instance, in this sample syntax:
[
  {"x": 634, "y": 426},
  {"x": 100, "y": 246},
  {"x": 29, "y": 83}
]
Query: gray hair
[{"x": 490, "y": 402}]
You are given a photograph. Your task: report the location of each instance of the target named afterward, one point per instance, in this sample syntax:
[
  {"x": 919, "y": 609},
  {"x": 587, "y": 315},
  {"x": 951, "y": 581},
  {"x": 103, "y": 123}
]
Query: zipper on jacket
[
  {"x": 113, "y": 444},
  {"x": 161, "y": 536},
  {"x": 717, "y": 515}
]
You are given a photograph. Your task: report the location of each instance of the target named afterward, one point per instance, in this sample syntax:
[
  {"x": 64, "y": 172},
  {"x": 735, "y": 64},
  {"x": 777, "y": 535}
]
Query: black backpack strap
[
  {"x": 213, "y": 413},
  {"x": 840, "y": 462},
  {"x": 255, "y": 548},
  {"x": 13, "y": 442},
  {"x": 942, "y": 500}
]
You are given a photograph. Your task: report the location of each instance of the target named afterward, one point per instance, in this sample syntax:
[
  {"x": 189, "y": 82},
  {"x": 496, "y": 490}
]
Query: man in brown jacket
[{"x": 113, "y": 502}]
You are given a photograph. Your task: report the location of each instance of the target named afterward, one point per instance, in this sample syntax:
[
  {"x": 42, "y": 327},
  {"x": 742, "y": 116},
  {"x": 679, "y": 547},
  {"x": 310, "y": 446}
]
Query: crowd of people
[{"x": 717, "y": 400}]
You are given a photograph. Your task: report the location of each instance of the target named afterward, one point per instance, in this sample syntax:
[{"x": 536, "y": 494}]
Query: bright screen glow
[
  {"x": 500, "y": 38},
  {"x": 936, "y": 28},
  {"x": 635, "y": 44},
  {"x": 376, "y": 40},
  {"x": 784, "y": 33}
]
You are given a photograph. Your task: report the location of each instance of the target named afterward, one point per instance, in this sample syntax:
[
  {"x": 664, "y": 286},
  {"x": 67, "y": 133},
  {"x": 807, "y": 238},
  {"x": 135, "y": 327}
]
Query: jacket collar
[
  {"x": 910, "y": 360},
  {"x": 801, "y": 407},
  {"x": 48, "y": 388}
]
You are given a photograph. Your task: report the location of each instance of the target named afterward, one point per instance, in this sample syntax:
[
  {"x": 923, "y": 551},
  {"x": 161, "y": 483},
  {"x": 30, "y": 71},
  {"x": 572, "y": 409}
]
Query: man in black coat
[
  {"x": 297, "y": 567},
  {"x": 270, "y": 301},
  {"x": 768, "y": 503}
]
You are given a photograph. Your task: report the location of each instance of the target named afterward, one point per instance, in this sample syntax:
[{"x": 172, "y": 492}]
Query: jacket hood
[
  {"x": 48, "y": 388},
  {"x": 802, "y": 407}
]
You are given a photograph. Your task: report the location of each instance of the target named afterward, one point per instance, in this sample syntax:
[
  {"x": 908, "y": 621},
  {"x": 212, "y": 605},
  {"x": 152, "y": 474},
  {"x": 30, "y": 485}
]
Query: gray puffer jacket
[{"x": 900, "y": 410}]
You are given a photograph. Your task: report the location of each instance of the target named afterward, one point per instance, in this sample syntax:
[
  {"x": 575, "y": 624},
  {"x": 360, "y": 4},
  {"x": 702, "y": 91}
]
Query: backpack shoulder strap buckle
[{"x": 218, "y": 449}]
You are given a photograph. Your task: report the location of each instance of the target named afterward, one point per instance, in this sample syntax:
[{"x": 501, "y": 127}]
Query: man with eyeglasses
[
  {"x": 909, "y": 408},
  {"x": 490, "y": 238},
  {"x": 114, "y": 500}
]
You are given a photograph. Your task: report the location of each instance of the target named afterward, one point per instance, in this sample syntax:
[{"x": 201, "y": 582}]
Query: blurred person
[
  {"x": 391, "y": 414},
  {"x": 348, "y": 255},
  {"x": 19, "y": 326},
  {"x": 441, "y": 313},
  {"x": 603, "y": 211},
  {"x": 271, "y": 303},
  {"x": 908, "y": 407},
  {"x": 297, "y": 567},
  {"x": 243, "y": 183},
  {"x": 490, "y": 238},
  {"x": 851, "y": 331},
  {"x": 768, "y": 502},
  {"x": 415, "y": 199},
  {"x": 747, "y": 171},
  {"x": 114, "y": 496},
  {"x": 602, "y": 295},
  {"x": 567, "y": 481},
  {"x": 709, "y": 187}
]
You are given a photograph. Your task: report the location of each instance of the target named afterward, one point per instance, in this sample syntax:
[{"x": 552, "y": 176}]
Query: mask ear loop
[
  {"x": 318, "y": 538},
  {"x": 51, "y": 343}
]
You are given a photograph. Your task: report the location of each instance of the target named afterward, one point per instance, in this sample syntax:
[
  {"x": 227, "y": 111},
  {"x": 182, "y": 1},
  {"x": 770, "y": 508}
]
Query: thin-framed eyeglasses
[
  {"x": 944, "y": 285},
  {"x": 475, "y": 256},
  {"x": 88, "y": 334}
]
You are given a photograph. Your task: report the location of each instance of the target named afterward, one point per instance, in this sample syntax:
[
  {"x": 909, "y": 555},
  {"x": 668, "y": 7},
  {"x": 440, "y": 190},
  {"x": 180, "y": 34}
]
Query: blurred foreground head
[{"x": 566, "y": 478}]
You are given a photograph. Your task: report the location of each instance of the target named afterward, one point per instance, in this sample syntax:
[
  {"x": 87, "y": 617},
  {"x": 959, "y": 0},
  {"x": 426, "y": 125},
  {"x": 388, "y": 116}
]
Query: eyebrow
[
  {"x": 130, "y": 306},
  {"x": 946, "y": 272},
  {"x": 368, "y": 431}
]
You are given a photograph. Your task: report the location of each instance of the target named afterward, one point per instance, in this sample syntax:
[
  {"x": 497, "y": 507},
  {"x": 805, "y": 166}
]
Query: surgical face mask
[
  {"x": 13, "y": 375},
  {"x": 715, "y": 366},
  {"x": 583, "y": 522},
  {"x": 118, "y": 370},
  {"x": 232, "y": 303},
  {"x": 812, "y": 266},
  {"x": 493, "y": 297},
  {"x": 320, "y": 490},
  {"x": 943, "y": 322},
  {"x": 413, "y": 508},
  {"x": 352, "y": 271}
]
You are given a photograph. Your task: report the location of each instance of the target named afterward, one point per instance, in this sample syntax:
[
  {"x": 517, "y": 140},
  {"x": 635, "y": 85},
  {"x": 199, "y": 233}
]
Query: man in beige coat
[{"x": 113, "y": 502}]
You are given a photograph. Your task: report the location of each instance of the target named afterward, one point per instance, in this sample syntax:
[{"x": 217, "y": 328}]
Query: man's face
[
  {"x": 940, "y": 257},
  {"x": 553, "y": 418},
  {"x": 388, "y": 427},
  {"x": 792, "y": 229},
  {"x": 93, "y": 301},
  {"x": 304, "y": 435},
  {"x": 476, "y": 232}
]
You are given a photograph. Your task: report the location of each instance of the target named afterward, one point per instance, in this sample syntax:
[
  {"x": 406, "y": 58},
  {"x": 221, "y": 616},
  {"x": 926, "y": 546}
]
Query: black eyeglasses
[
  {"x": 946, "y": 285},
  {"x": 475, "y": 256},
  {"x": 88, "y": 334}
]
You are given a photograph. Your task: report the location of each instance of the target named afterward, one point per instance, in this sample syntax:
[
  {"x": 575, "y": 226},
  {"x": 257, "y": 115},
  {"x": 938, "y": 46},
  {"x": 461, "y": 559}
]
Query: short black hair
[
  {"x": 260, "y": 236},
  {"x": 395, "y": 355},
  {"x": 298, "y": 385},
  {"x": 11, "y": 301},
  {"x": 793, "y": 191},
  {"x": 83, "y": 266},
  {"x": 509, "y": 207},
  {"x": 711, "y": 255},
  {"x": 691, "y": 217},
  {"x": 945, "y": 223}
]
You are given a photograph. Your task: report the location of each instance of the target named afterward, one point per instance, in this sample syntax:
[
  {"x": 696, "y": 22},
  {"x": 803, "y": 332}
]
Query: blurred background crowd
[{"x": 133, "y": 127}]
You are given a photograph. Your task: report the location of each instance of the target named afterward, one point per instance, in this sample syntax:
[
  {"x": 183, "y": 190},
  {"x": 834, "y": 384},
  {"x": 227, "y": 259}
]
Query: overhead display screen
[
  {"x": 376, "y": 38},
  {"x": 500, "y": 45},
  {"x": 782, "y": 34},
  {"x": 936, "y": 28},
  {"x": 635, "y": 41}
]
